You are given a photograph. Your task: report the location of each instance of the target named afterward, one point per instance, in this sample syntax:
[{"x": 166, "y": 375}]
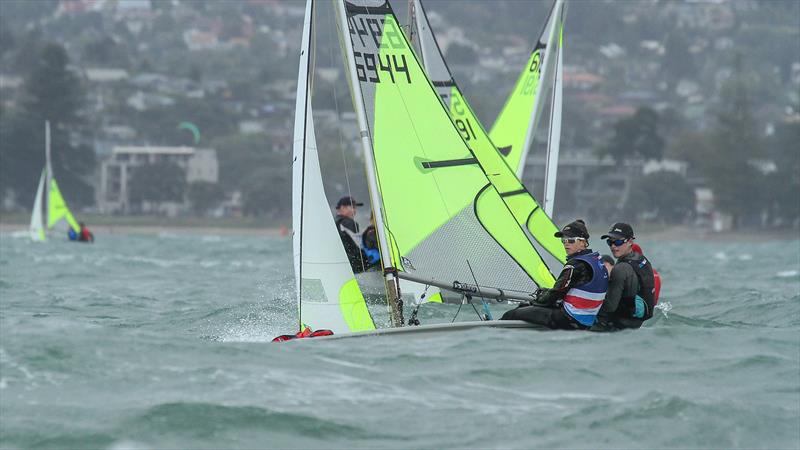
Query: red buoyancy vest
[{"x": 656, "y": 277}]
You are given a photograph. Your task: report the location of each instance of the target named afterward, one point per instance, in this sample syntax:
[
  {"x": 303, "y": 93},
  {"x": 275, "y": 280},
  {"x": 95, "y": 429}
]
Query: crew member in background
[
  {"x": 85, "y": 235},
  {"x": 348, "y": 231},
  {"x": 369, "y": 241},
  {"x": 631, "y": 290},
  {"x": 656, "y": 276},
  {"x": 576, "y": 297}
]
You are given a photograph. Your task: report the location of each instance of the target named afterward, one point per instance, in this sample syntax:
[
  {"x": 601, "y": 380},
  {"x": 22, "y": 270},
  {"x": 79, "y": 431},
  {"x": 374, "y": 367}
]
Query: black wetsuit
[
  {"x": 632, "y": 276},
  {"x": 353, "y": 251},
  {"x": 548, "y": 309}
]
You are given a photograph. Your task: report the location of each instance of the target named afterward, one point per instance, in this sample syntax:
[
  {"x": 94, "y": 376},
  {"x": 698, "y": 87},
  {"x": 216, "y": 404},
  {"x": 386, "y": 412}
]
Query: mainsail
[
  {"x": 443, "y": 217},
  {"x": 519, "y": 201},
  {"x": 328, "y": 295}
]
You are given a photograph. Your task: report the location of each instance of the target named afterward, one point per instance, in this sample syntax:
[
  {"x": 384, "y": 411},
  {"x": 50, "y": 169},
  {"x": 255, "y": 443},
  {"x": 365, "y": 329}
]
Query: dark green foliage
[
  {"x": 267, "y": 191},
  {"x": 159, "y": 182},
  {"x": 105, "y": 51},
  {"x": 248, "y": 163},
  {"x": 7, "y": 40},
  {"x": 735, "y": 144},
  {"x": 784, "y": 184},
  {"x": 636, "y": 137},
  {"x": 678, "y": 62},
  {"x": 664, "y": 196},
  {"x": 204, "y": 196},
  {"x": 54, "y": 93}
]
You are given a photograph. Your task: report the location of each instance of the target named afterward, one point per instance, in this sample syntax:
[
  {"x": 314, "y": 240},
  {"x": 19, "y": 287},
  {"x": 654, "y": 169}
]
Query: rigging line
[
  {"x": 459, "y": 309},
  {"x": 339, "y": 132},
  {"x": 483, "y": 300},
  {"x": 480, "y": 317}
]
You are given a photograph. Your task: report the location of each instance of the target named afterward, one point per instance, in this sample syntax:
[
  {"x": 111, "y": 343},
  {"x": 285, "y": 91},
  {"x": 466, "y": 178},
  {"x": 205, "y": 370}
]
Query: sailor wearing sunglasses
[
  {"x": 576, "y": 297},
  {"x": 631, "y": 290}
]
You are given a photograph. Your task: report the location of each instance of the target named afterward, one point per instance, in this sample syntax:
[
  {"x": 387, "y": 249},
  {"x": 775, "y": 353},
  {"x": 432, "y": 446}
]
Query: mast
[
  {"x": 301, "y": 107},
  {"x": 390, "y": 273},
  {"x": 48, "y": 168},
  {"x": 545, "y": 72},
  {"x": 554, "y": 139}
]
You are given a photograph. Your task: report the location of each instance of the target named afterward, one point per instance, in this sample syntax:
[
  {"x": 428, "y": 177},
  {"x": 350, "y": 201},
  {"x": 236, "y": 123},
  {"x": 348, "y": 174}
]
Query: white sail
[
  {"x": 38, "y": 226},
  {"x": 328, "y": 295}
]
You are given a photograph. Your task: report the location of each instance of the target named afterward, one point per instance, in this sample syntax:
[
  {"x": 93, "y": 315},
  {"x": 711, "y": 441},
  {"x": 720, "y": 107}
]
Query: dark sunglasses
[
  {"x": 616, "y": 242},
  {"x": 571, "y": 240}
]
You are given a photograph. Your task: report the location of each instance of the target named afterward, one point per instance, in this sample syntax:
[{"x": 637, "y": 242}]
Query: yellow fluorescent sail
[
  {"x": 444, "y": 217},
  {"x": 58, "y": 209}
]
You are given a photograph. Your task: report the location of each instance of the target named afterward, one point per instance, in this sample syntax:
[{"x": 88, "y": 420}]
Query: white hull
[{"x": 427, "y": 330}]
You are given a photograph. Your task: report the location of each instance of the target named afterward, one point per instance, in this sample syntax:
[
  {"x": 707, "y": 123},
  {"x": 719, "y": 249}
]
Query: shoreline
[
  {"x": 100, "y": 230},
  {"x": 669, "y": 233}
]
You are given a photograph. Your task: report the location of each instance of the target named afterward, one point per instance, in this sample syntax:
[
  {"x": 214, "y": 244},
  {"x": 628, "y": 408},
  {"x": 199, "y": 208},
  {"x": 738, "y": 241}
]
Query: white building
[{"x": 199, "y": 164}]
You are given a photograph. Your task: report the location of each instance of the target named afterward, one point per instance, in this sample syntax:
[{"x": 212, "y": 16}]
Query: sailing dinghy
[
  {"x": 440, "y": 217},
  {"x": 50, "y": 211}
]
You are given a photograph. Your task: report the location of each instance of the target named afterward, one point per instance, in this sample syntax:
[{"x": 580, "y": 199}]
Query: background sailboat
[
  {"x": 49, "y": 208},
  {"x": 518, "y": 121},
  {"x": 526, "y": 209}
]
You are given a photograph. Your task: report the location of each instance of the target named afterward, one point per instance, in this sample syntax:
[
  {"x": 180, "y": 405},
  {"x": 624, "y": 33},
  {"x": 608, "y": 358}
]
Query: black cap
[
  {"x": 574, "y": 229},
  {"x": 347, "y": 201},
  {"x": 619, "y": 231}
]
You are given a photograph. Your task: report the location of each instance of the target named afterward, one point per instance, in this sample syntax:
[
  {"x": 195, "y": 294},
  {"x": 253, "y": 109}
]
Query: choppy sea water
[{"x": 162, "y": 341}]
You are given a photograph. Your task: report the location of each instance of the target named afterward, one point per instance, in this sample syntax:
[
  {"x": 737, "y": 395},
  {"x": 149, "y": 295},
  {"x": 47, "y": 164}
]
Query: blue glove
[{"x": 373, "y": 255}]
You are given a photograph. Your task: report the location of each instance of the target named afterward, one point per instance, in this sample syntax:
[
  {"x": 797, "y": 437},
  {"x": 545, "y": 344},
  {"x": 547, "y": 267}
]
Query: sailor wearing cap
[
  {"x": 576, "y": 297},
  {"x": 348, "y": 231},
  {"x": 631, "y": 290}
]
